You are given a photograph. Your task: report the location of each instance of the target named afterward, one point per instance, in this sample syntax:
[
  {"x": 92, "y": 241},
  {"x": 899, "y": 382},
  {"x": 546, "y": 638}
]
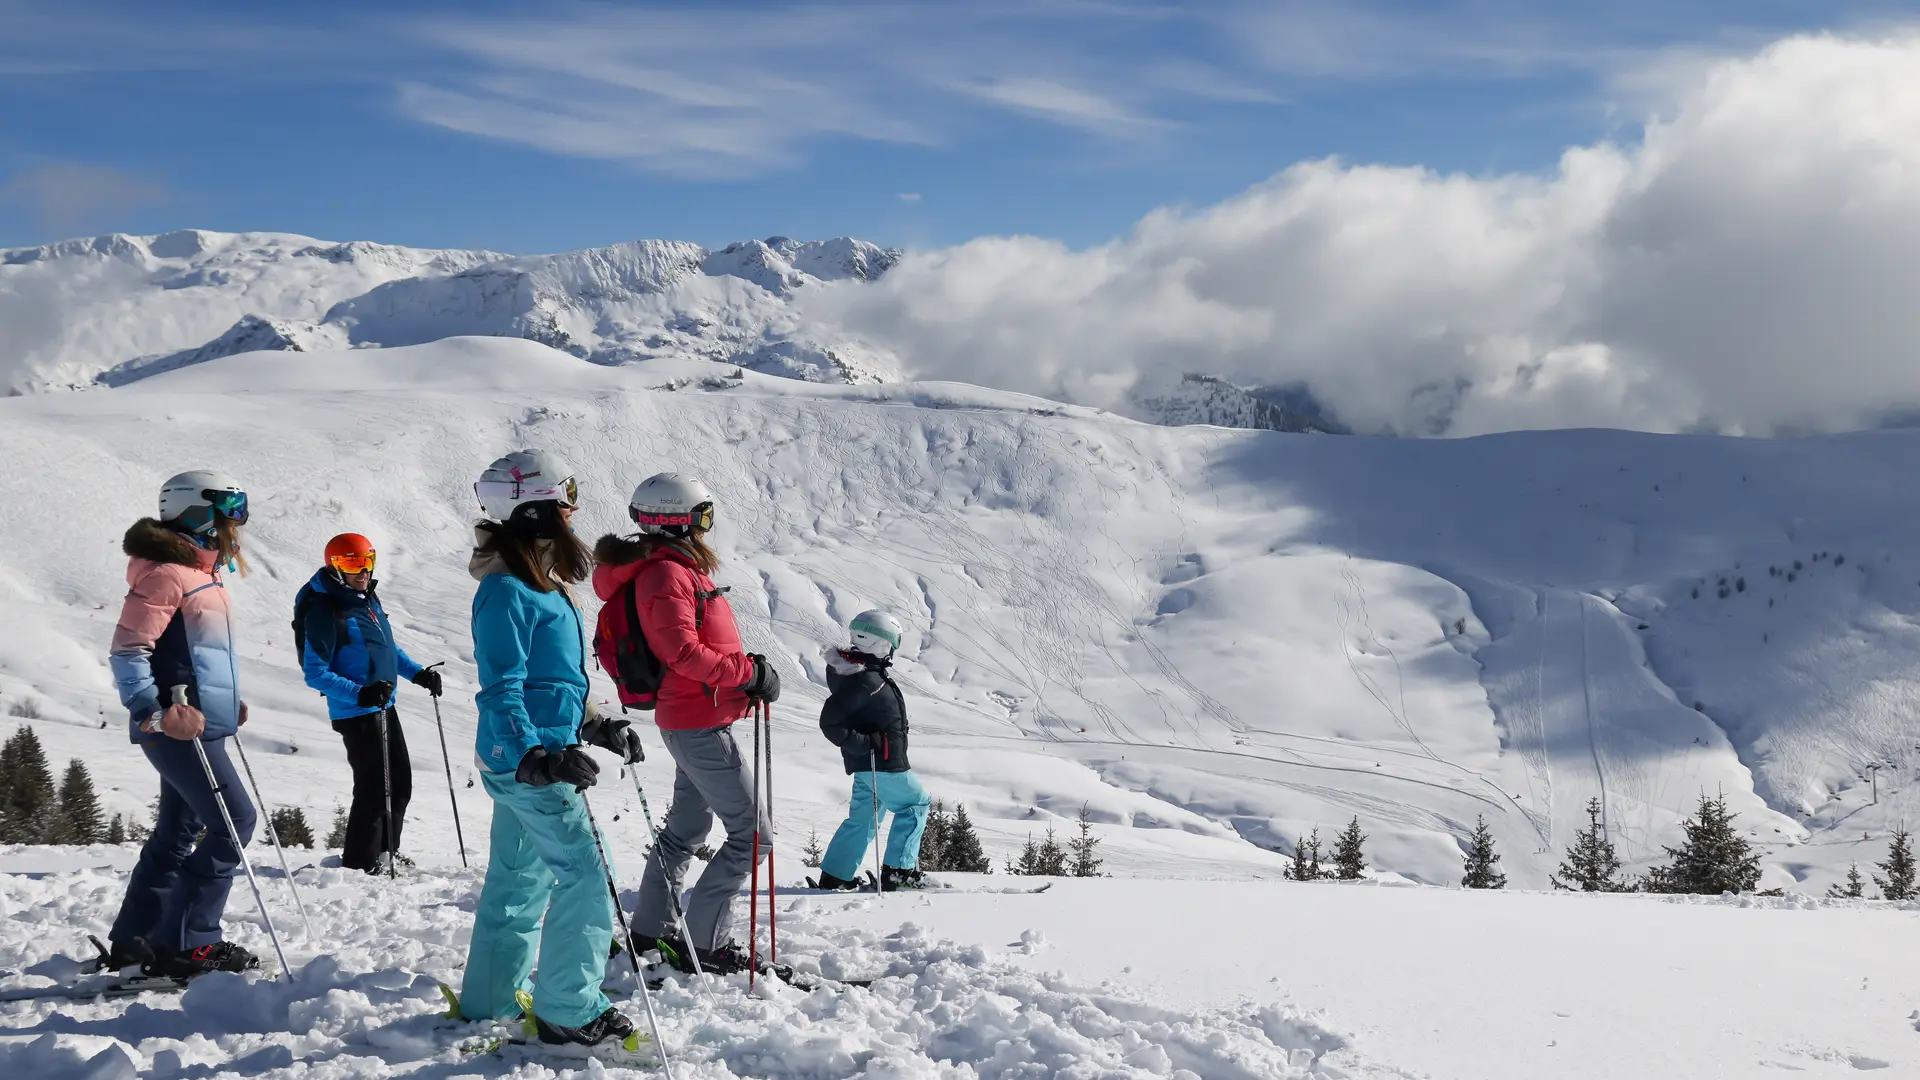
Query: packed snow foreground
[{"x": 1211, "y": 642}]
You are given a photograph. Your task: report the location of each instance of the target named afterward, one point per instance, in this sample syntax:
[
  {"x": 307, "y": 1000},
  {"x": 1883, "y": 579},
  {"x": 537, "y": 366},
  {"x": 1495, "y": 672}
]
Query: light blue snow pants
[
  {"x": 900, "y": 793},
  {"x": 542, "y": 863}
]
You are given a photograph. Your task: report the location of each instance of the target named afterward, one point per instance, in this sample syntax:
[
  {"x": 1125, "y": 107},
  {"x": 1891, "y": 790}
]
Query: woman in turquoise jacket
[{"x": 529, "y": 644}]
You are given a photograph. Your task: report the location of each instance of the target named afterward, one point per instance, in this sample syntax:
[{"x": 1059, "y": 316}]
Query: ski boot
[
  {"x": 391, "y": 864},
  {"x": 828, "y": 881},
  {"x": 732, "y": 958},
  {"x": 120, "y": 956},
  {"x": 893, "y": 879},
  {"x": 609, "y": 1026},
  {"x": 219, "y": 956},
  {"x": 668, "y": 950}
]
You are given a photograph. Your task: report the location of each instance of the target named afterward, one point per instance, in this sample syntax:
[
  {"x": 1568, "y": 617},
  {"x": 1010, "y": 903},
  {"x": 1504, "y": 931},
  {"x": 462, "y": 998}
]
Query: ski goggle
[
  {"x": 357, "y": 563},
  {"x": 569, "y": 494},
  {"x": 231, "y": 505},
  {"x": 700, "y": 518}
]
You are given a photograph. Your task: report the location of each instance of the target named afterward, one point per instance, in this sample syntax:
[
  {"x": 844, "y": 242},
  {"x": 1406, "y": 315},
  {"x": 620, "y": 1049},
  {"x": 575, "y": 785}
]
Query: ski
[
  {"x": 112, "y": 986},
  {"x": 866, "y": 891},
  {"x": 634, "y": 1050},
  {"x": 800, "y": 980}
]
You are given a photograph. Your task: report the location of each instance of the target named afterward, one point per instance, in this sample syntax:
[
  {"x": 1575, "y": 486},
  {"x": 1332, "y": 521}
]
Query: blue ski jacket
[
  {"x": 531, "y": 651},
  {"x": 349, "y": 644}
]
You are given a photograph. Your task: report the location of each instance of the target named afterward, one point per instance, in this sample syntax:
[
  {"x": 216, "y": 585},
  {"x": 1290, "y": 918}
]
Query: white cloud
[
  {"x": 1070, "y": 105},
  {"x": 1750, "y": 264},
  {"x": 910, "y": 196}
]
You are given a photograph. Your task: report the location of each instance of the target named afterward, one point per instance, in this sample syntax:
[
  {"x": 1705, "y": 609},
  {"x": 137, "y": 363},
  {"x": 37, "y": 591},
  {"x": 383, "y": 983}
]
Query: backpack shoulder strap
[
  {"x": 700, "y": 598},
  {"x": 630, "y": 594}
]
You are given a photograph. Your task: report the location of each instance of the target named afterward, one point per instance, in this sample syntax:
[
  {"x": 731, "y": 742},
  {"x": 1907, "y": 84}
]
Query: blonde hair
[{"x": 226, "y": 545}]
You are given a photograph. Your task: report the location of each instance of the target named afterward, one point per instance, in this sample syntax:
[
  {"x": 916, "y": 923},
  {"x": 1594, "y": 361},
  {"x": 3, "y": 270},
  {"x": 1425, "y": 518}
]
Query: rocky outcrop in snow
[
  {"x": 1206, "y": 399},
  {"x": 250, "y": 334}
]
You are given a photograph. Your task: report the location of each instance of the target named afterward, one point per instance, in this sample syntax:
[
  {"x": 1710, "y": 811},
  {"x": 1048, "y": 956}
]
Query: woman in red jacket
[{"x": 709, "y": 682}]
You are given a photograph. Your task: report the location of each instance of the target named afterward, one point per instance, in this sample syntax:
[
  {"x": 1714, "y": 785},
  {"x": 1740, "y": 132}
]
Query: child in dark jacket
[{"x": 866, "y": 717}]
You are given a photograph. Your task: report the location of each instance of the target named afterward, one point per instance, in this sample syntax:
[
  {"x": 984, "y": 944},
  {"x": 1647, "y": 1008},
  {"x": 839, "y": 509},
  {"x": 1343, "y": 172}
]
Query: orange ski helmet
[{"x": 350, "y": 553}]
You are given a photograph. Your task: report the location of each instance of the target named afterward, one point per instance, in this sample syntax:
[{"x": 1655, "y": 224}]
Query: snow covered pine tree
[
  {"x": 1591, "y": 864},
  {"x": 1482, "y": 861}
]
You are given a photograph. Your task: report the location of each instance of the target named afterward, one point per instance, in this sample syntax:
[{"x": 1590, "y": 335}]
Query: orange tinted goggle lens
[{"x": 352, "y": 564}]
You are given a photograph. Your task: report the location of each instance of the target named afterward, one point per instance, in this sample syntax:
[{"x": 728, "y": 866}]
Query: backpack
[
  {"x": 620, "y": 644},
  {"x": 302, "y": 601}
]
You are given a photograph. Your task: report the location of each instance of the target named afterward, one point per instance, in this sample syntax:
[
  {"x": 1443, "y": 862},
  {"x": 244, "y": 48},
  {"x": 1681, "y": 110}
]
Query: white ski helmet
[
  {"x": 671, "y": 504},
  {"x": 875, "y": 633},
  {"x": 523, "y": 477},
  {"x": 197, "y": 500}
]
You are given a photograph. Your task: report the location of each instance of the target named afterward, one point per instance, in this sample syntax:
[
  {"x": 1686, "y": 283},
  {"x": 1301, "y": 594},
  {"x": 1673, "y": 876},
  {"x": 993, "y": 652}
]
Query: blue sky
[{"x": 528, "y": 127}]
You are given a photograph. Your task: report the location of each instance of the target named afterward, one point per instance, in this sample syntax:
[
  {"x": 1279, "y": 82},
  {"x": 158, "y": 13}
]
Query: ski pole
[
  {"x": 873, "y": 788},
  {"x": 673, "y": 887},
  {"x": 239, "y": 847},
  {"x": 773, "y": 879},
  {"x": 633, "y": 954},
  {"x": 386, "y": 785},
  {"x": 447, "y": 761},
  {"x": 267, "y": 812},
  {"x": 753, "y": 890}
]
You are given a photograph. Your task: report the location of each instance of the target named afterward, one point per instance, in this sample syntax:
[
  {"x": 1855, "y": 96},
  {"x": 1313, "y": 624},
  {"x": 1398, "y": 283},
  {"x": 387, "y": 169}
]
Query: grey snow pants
[{"x": 711, "y": 778}]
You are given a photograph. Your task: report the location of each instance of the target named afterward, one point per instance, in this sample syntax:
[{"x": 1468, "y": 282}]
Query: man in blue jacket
[{"x": 349, "y": 655}]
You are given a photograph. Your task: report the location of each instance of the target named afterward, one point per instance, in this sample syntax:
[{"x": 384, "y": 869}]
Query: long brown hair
[
  {"x": 614, "y": 550},
  {"x": 517, "y": 541},
  {"x": 226, "y": 545}
]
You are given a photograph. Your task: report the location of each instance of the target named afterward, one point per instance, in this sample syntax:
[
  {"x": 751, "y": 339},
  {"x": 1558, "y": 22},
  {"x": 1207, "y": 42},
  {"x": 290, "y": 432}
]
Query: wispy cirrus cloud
[{"x": 721, "y": 90}]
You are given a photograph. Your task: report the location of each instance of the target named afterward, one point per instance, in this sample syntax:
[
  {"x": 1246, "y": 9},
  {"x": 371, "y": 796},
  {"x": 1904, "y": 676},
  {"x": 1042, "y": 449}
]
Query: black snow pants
[{"x": 367, "y": 827}]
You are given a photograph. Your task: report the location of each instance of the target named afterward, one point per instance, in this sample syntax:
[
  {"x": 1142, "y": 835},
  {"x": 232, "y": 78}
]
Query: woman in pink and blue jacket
[{"x": 176, "y": 631}]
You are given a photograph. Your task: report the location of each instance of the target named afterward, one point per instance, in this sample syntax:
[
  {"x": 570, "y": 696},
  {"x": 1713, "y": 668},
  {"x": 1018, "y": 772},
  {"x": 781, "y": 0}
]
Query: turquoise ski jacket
[{"x": 530, "y": 649}]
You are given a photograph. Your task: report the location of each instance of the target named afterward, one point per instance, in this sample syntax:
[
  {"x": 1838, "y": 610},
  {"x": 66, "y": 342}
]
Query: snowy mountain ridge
[{"x": 111, "y": 310}]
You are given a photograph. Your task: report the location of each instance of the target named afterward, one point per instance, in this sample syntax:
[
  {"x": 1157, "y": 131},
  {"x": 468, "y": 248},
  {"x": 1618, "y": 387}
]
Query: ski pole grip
[{"x": 180, "y": 693}]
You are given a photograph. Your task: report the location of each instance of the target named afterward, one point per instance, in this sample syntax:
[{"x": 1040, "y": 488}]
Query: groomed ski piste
[{"x": 1213, "y": 641}]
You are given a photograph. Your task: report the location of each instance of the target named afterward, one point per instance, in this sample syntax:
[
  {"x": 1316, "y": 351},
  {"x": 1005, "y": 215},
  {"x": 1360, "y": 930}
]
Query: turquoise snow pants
[
  {"x": 543, "y": 863},
  {"x": 901, "y": 793}
]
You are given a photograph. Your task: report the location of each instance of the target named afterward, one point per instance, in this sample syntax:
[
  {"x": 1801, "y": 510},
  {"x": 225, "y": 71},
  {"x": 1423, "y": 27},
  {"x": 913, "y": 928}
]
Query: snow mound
[{"x": 365, "y": 996}]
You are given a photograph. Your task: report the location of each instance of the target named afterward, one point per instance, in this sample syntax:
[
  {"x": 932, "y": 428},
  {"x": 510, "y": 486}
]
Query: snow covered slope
[
  {"x": 116, "y": 308},
  {"x": 1214, "y": 641}
]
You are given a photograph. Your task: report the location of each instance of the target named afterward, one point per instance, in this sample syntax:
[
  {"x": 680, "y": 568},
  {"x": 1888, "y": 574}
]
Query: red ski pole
[
  {"x": 773, "y": 879},
  {"x": 753, "y": 890}
]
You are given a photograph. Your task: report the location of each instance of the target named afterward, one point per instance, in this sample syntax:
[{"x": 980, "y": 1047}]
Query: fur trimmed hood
[
  {"x": 151, "y": 540},
  {"x": 616, "y": 550}
]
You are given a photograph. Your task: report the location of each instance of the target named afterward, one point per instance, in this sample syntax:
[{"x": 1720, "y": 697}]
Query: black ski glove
[
  {"x": 570, "y": 766},
  {"x": 429, "y": 680},
  {"x": 374, "y": 695},
  {"x": 616, "y": 735},
  {"x": 765, "y": 683}
]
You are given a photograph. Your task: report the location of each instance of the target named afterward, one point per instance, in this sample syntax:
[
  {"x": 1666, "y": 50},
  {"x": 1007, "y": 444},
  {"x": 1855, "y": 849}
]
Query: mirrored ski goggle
[
  {"x": 569, "y": 493},
  {"x": 231, "y": 505},
  {"x": 352, "y": 564}
]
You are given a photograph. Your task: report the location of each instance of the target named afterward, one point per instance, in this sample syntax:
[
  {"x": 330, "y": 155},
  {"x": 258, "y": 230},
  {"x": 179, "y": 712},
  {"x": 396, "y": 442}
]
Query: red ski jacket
[{"x": 690, "y": 628}]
